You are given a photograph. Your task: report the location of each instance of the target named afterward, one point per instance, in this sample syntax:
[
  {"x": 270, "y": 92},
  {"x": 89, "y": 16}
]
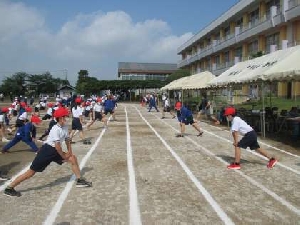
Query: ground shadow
[
  {"x": 4, "y": 169},
  {"x": 58, "y": 181},
  {"x": 230, "y": 159}
]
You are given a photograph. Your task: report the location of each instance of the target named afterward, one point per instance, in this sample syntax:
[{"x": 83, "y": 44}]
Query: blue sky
[{"x": 61, "y": 35}]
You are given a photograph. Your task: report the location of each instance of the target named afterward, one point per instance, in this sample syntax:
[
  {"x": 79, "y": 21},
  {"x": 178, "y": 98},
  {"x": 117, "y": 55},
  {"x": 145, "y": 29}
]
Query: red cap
[
  {"x": 50, "y": 104},
  {"x": 78, "y": 100},
  {"x": 229, "y": 111},
  {"x": 35, "y": 119},
  {"x": 5, "y": 109},
  {"x": 88, "y": 103},
  {"x": 23, "y": 104},
  {"x": 28, "y": 109},
  {"x": 60, "y": 112},
  {"x": 178, "y": 105}
]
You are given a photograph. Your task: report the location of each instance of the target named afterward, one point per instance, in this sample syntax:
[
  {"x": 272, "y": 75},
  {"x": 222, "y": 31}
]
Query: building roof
[
  {"x": 66, "y": 87},
  {"x": 146, "y": 67}
]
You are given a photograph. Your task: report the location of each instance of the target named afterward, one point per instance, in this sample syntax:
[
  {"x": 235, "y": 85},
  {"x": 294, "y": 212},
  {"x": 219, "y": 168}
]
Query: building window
[
  {"x": 239, "y": 52},
  {"x": 253, "y": 47},
  {"x": 239, "y": 23},
  {"x": 271, "y": 3},
  {"x": 226, "y": 57},
  {"x": 254, "y": 17},
  {"x": 227, "y": 32},
  {"x": 272, "y": 40}
]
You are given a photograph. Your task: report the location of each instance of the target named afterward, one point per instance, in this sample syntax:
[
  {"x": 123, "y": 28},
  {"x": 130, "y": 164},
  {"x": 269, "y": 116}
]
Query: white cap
[{"x": 23, "y": 116}]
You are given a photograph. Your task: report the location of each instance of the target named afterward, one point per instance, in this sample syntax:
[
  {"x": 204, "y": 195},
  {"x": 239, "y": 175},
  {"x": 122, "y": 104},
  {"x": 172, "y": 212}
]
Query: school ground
[{"x": 143, "y": 174}]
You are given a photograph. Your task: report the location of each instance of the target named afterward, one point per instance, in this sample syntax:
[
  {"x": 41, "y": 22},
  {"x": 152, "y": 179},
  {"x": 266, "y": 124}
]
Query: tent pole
[
  {"x": 263, "y": 126},
  {"x": 295, "y": 93}
]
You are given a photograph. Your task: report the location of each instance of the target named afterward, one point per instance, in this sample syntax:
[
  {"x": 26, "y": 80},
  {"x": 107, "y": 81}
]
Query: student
[
  {"x": 52, "y": 151},
  {"x": 2, "y": 122},
  {"x": 98, "y": 114},
  {"x": 249, "y": 139},
  {"x": 166, "y": 107},
  {"x": 25, "y": 133},
  {"x": 205, "y": 108},
  {"x": 186, "y": 118},
  {"x": 109, "y": 106},
  {"x": 152, "y": 103},
  {"x": 77, "y": 119},
  {"x": 49, "y": 112}
]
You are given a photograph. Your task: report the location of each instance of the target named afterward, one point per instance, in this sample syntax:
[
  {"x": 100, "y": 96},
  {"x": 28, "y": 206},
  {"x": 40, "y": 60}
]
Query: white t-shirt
[
  {"x": 49, "y": 111},
  {"x": 1, "y": 118},
  {"x": 57, "y": 134},
  {"x": 166, "y": 103},
  {"x": 77, "y": 112},
  {"x": 98, "y": 108},
  {"x": 240, "y": 125}
]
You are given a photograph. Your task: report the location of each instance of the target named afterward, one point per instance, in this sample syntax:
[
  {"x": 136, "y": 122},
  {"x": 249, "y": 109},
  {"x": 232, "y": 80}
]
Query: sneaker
[
  {"x": 272, "y": 163},
  {"x": 234, "y": 166},
  {"x": 5, "y": 140},
  {"x": 12, "y": 192},
  {"x": 200, "y": 134},
  {"x": 81, "y": 182},
  {"x": 163, "y": 117},
  {"x": 4, "y": 177},
  {"x": 179, "y": 135}
]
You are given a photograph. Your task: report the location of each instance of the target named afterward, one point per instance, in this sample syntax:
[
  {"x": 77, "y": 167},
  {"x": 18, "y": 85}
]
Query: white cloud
[{"x": 96, "y": 42}]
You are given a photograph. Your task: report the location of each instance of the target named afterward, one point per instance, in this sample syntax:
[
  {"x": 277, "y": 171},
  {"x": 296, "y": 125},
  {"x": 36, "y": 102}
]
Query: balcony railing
[
  {"x": 293, "y": 3},
  {"x": 254, "y": 27}
]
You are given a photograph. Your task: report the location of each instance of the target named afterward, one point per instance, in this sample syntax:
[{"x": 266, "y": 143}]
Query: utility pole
[{"x": 66, "y": 74}]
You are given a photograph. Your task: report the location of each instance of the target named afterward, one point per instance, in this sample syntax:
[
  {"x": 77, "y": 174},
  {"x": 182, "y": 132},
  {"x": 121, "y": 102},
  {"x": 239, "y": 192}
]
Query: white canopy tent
[
  {"x": 196, "y": 81},
  {"x": 279, "y": 65}
]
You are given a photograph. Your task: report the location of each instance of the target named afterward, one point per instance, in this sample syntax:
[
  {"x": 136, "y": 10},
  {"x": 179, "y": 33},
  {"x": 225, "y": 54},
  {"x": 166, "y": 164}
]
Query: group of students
[
  {"x": 57, "y": 133},
  {"x": 238, "y": 126},
  {"x": 52, "y": 150}
]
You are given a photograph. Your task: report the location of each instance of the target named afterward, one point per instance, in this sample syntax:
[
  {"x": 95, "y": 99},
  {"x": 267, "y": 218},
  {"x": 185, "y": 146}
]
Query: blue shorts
[
  {"x": 110, "y": 111},
  {"x": 249, "y": 140},
  {"x": 76, "y": 125},
  {"x": 45, "y": 156}
]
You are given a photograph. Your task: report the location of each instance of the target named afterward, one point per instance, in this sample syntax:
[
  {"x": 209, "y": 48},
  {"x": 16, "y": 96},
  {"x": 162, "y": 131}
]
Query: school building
[
  {"x": 249, "y": 29},
  {"x": 145, "y": 71}
]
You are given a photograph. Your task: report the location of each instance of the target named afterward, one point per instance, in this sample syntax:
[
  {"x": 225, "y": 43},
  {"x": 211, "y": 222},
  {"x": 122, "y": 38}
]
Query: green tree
[
  {"x": 177, "y": 74},
  {"x": 16, "y": 84},
  {"x": 82, "y": 82}
]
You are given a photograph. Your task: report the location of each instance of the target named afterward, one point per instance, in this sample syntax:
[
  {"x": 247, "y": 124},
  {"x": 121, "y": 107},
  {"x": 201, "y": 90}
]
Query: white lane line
[
  {"x": 134, "y": 215},
  {"x": 217, "y": 208},
  {"x": 57, "y": 207},
  {"x": 263, "y": 143},
  {"x": 3, "y": 186},
  {"x": 252, "y": 181}
]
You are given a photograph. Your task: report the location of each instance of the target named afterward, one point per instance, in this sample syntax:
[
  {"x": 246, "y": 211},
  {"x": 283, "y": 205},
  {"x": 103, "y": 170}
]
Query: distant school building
[{"x": 145, "y": 71}]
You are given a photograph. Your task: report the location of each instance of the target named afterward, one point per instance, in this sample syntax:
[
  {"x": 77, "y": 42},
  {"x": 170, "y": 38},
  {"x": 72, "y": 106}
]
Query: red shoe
[
  {"x": 234, "y": 166},
  {"x": 272, "y": 163}
]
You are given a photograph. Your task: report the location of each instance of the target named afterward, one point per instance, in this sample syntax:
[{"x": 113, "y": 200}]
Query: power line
[{"x": 37, "y": 71}]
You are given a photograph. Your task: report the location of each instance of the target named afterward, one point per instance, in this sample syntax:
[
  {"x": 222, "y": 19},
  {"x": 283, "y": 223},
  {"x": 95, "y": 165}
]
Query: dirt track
[{"x": 175, "y": 180}]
